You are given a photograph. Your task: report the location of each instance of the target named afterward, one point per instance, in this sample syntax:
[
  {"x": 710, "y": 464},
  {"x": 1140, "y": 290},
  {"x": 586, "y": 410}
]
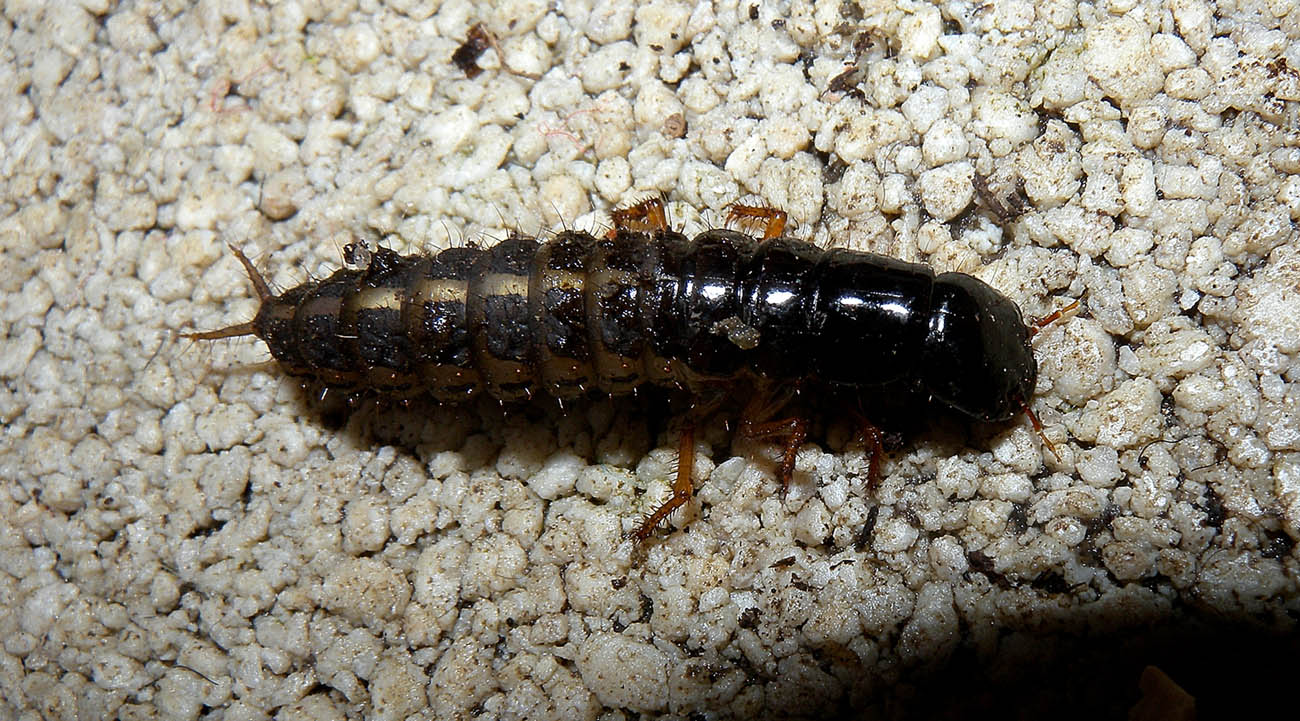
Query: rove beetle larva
[{"x": 578, "y": 314}]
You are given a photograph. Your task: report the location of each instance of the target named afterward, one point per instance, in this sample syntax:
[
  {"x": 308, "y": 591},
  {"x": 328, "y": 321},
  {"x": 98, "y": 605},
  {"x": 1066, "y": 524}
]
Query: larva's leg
[
  {"x": 872, "y": 445},
  {"x": 1038, "y": 428},
  {"x": 755, "y": 424},
  {"x": 648, "y": 215},
  {"x": 1037, "y": 325},
  {"x": 773, "y": 219},
  {"x": 683, "y": 488},
  {"x": 870, "y": 436},
  {"x": 794, "y": 430}
]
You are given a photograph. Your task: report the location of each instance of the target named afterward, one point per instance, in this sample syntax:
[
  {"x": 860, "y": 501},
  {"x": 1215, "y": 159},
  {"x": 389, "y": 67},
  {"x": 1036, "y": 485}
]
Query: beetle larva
[{"x": 644, "y": 304}]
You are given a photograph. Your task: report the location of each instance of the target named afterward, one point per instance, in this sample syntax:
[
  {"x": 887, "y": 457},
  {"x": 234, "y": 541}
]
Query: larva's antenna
[
  {"x": 1038, "y": 427},
  {"x": 1054, "y": 316}
]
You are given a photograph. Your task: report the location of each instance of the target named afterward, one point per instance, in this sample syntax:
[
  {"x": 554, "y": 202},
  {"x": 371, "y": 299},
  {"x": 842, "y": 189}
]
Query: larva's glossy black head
[{"x": 977, "y": 357}]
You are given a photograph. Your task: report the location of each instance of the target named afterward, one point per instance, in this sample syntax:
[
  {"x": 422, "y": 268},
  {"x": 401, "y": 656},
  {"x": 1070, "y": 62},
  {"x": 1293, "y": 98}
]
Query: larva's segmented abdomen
[{"x": 578, "y": 313}]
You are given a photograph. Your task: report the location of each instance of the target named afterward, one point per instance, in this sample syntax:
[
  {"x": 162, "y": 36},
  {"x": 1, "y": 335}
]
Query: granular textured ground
[{"x": 183, "y": 536}]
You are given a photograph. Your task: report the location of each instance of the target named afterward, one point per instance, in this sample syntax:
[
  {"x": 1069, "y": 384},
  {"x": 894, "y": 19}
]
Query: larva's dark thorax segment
[
  {"x": 696, "y": 322},
  {"x": 781, "y": 284},
  {"x": 873, "y": 314}
]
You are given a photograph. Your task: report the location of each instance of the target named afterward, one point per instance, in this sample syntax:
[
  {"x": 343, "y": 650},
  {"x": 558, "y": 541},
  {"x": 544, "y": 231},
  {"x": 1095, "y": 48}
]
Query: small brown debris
[{"x": 675, "y": 125}]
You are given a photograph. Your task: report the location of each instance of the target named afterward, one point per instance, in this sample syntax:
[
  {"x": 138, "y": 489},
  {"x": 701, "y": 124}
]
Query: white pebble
[
  {"x": 1124, "y": 418},
  {"x": 1286, "y": 486},
  {"x": 1268, "y": 300},
  {"x": 1129, "y": 560},
  {"x": 988, "y": 517},
  {"x": 1127, "y": 245},
  {"x": 944, "y": 143},
  {"x": 924, "y": 106},
  {"x": 919, "y": 31},
  {"x": 894, "y": 535},
  {"x": 1117, "y": 54},
  {"x": 365, "y": 591},
  {"x": 1146, "y": 126},
  {"x": 948, "y": 190},
  {"x": 948, "y": 558},
  {"x": 365, "y": 525},
  {"x": 608, "y": 23},
  {"x": 271, "y": 148},
  {"x": 446, "y": 131},
  {"x": 624, "y": 672},
  {"x": 1002, "y": 116},
  {"x": 360, "y": 47}
]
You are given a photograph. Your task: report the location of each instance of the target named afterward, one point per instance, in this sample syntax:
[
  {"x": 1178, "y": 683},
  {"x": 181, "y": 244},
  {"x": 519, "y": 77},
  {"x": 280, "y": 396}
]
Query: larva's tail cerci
[{"x": 644, "y": 304}]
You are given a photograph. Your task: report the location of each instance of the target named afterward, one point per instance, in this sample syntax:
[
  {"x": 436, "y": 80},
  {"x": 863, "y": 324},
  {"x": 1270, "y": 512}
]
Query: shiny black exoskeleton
[{"x": 842, "y": 319}]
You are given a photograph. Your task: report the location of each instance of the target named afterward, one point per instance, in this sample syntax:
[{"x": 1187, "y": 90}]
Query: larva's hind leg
[
  {"x": 703, "y": 404},
  {"x": 756, "y": 424}
]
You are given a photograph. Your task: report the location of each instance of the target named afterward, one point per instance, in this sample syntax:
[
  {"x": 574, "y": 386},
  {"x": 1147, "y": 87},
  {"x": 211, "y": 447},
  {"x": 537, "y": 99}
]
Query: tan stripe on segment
[
  {"x": 505, "y": 284},
  {"x": 439, "y": 290},
  {"x": 375, "y": 299}
]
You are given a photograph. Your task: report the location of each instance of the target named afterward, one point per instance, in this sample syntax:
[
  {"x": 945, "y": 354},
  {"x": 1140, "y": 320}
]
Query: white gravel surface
[{"x": 182, "y": 536}]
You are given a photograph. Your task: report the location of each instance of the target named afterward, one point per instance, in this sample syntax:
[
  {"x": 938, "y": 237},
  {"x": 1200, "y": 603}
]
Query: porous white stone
[{"x": 947, "y": 191}]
